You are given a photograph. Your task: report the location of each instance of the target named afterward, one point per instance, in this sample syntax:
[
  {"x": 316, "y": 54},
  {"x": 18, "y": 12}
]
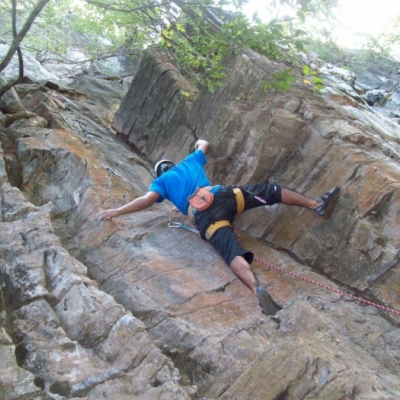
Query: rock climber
[{"x": 213, "y": 209}]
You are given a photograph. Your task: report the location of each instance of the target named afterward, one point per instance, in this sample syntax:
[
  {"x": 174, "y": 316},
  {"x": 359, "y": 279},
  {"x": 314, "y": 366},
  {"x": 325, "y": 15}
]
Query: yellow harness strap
[
  {"x": 215, "y": 226},
  {"x": 239, "y": 200},
  {"x": 220, "y": 224}
]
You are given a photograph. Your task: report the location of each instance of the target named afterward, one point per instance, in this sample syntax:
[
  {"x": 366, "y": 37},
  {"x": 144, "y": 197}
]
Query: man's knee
[{"x": 239, "y": 262}]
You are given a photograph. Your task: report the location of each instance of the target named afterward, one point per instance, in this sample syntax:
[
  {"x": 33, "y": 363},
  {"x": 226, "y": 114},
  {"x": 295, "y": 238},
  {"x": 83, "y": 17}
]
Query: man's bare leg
[
  {"x": 292, "y": 198},
  {"x": 241, "y": 268}
]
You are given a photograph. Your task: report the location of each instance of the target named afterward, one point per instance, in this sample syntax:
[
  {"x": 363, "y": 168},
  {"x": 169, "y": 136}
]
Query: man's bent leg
[
  {"x": 319, "y": 205},
  {"x": 241, "y": 268},
  {"x": 292, "y": 198},
  {"x": 228, "y": 247},
  {"x": 257, "y": 195}
]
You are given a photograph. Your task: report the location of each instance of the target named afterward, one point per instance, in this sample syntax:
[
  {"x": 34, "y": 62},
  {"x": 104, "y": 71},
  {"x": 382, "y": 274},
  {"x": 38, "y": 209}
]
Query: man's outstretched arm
[
  {"x": 141, "y": 203},
  {"x": 203, "y": 145}
]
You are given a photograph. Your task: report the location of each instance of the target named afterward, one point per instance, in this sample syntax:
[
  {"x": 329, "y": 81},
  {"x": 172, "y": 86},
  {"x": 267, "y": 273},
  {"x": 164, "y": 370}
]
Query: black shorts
[{"x": 224, "y": 207}]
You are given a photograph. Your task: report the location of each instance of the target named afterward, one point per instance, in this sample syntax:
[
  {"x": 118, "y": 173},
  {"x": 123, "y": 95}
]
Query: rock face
[
  {"x": 305, "y": 142},
  {"x": 375, "y": 82},
  {"x": 132, "y": 309},
  {"x": 123, "y": 67}
]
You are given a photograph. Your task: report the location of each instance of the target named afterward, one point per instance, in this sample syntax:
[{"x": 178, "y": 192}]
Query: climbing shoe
[
  {"x": 325, "y": 199},
  {"x": 268, "y": 306}
]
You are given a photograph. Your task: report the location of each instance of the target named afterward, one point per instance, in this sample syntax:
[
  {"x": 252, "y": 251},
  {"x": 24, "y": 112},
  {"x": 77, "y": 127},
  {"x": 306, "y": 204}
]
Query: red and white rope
[{"x": 303, "y": 278}]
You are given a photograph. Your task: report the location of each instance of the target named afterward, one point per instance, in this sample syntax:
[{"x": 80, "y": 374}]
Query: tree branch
[
  {"x": 18, "y": 38},
  {"x": 9, "y": 85}
]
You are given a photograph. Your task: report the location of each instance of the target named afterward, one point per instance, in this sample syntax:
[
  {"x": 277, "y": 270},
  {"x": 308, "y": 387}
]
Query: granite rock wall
[{"x": 133, "y": 309}]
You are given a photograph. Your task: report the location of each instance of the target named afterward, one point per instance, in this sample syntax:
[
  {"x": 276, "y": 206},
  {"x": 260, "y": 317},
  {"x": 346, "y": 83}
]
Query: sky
[
  {"x": 355, "y": 16},
  {"x": 366, "y": 16}
]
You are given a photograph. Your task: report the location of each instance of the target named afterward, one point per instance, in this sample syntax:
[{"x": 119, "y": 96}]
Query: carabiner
[
  {"x": 179, "y": 225},
  {"x": 174, "y": 224}
]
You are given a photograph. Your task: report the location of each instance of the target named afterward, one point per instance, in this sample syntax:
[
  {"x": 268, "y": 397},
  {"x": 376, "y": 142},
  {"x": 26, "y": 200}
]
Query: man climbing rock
[{"x": 213, "y": 209}]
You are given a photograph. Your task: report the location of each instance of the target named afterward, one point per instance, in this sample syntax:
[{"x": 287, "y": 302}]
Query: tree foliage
[{"x": 199, "y": 33}]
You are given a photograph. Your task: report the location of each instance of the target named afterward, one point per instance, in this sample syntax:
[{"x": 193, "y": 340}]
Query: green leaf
[
  {"x": 317, "y": 80},
  {"x": 306, "y": 70},
  {"x": 299, "y": 32},
  {"x": 301, "y": 15},
  {"x": 210, "y": 87}
]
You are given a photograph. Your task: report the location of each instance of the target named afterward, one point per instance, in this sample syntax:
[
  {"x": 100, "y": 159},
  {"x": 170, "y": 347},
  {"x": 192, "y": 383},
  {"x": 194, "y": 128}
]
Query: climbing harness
[
  {"x": 214, "y": 227},
  {"x": 239, "y": 200},
  {"x": 220, "y": 224},
  {"x": 303, "y": 278}
]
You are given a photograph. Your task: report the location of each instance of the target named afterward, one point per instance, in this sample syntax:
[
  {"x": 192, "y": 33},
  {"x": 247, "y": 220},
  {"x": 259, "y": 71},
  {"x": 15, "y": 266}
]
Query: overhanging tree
[{"x": 199, "y": 33}]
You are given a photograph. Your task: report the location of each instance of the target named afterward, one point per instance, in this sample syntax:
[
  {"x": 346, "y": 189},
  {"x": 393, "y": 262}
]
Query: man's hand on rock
[{"x": 107, "y": 214}]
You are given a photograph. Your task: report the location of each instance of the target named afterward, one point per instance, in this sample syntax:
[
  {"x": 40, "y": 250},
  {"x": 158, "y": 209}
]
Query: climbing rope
[
  {"x": 303, "y": 278},
  {"x": 332, "y": 289},
  {"x": 328, "y": 287}
]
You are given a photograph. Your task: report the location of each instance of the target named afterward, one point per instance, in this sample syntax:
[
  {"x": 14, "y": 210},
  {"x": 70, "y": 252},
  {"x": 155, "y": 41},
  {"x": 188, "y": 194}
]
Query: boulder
[{"x": 9, "y": 102}]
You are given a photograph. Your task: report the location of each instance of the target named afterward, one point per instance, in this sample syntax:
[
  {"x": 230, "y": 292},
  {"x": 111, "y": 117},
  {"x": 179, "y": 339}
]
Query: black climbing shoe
[
  {"x": 268, "y": 306},
  {"x": 325, "y": 199}
]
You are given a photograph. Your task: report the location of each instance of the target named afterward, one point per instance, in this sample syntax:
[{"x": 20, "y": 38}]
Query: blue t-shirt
[{"x": 181, "y": 181}]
